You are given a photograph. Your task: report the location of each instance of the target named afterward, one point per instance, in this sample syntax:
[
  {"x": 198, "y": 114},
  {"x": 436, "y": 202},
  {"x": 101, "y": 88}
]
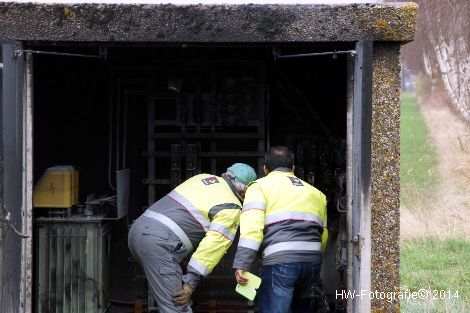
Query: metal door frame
[
  {"x": 27, "y": 247},
  {"x": 20, "y": 123},
  {"x": 359, "y": 127}
]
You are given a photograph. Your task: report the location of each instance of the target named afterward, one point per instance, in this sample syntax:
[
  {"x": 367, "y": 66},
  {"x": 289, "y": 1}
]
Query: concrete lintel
[{"x": 247, "y": 23}]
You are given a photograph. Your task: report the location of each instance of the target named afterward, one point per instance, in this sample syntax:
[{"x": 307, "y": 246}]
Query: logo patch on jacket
[
  {"x": 295, "y": 181},
  {"x": 210, "y": 180}
]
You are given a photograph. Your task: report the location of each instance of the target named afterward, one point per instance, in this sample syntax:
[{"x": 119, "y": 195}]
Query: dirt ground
[{"x": 444, "y": 211}]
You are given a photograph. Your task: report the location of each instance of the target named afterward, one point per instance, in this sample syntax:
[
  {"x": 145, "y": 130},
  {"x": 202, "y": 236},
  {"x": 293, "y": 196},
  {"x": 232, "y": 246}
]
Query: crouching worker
[{"x": 202, "y": 212}]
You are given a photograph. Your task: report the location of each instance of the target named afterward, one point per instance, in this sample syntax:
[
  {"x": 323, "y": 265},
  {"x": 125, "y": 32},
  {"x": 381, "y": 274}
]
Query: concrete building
[{"x": 168, "y": 91}]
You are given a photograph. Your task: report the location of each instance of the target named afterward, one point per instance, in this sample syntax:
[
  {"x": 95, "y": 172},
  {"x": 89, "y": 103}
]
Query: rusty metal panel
[{"x": 11, "y": 190}]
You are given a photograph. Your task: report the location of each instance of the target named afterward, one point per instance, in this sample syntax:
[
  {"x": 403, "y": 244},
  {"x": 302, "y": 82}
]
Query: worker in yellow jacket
[
  {"x": 283, "y": 219},
  {"x": 201, "y": 214}
]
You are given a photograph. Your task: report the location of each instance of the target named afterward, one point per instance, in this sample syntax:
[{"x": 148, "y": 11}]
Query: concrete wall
[
  {"x": 207, "y": 23},
  {"x": 385, "y": 175}
]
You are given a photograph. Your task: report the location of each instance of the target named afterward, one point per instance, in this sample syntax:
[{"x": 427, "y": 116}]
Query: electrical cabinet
[{"x": 72, "y": 264}]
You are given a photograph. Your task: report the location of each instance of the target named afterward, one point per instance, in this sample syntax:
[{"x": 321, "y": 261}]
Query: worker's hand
[
  {"x": 240, "y": 279},
  {"x": 182, "y": 297}
]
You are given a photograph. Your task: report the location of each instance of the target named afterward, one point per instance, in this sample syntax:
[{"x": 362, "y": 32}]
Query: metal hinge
[{"x": 358, "y": 244}]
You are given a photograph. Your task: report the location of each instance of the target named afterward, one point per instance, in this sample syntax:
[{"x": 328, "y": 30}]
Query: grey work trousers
[{"x": 159, "y": 251}]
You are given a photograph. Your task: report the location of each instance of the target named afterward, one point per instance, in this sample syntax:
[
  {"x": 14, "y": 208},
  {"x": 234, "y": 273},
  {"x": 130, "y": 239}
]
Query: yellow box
[{"x": 57, "y": 188}]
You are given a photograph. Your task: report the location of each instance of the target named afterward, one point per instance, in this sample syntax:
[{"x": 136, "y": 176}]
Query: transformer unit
[{"x": 72, "y": 263}]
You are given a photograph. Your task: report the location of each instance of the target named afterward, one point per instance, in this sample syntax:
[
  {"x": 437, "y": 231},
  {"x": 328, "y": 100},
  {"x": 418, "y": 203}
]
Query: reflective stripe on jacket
[
  {"x": 210, "y": 202},
  {"x": 284, "y": 218}
]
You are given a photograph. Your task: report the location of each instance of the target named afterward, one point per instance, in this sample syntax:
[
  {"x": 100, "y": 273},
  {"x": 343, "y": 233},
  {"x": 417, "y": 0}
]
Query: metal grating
[
  {"x": 215, "y": 119},
  {"x": 72, "y": 265}
]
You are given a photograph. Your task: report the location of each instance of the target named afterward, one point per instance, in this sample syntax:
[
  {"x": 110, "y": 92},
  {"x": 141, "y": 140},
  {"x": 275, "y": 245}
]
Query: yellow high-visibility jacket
[
  {"x": 284, "y": 218},
  {"x": 211, "y": 202}
]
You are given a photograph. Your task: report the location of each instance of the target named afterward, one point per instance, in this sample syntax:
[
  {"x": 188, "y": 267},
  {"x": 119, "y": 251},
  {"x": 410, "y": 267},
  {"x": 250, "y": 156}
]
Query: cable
[
  {"x": 302, "y": 55},
  {"x": 7, "y": 220},
  {"x": 124, "y": 132},
  {"x": 19, "y": 52},
  {"x": 118, "y": 120},
  {"x": 110, "y": 137}
]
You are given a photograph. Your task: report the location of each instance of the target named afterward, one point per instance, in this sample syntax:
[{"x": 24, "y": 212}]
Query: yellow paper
[
  {"x": 249, "y": 290},
  {"x": 246, "y": 291},
  {"x": 253, "y": 280}
]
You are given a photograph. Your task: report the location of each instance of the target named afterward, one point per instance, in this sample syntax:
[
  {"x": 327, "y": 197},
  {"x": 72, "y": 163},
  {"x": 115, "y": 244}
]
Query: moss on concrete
[
  {"x": 385, "y": 175},
  {"x": 207, "y": 23}
]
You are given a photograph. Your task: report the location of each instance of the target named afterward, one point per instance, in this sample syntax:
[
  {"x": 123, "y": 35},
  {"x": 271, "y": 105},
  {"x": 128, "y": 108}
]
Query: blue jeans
[{"x": 285, "y": 288}]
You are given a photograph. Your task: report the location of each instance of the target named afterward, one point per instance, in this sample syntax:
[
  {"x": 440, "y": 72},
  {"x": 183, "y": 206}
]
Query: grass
[
  {"x": 428, "y": 262},
  {"x": 418, "y": 156},
  {"x": 435, "y": 264}
]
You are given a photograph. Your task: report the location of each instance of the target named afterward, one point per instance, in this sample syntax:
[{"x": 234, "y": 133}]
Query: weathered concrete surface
[
  {"x": 385, "y": 175},
  {"x": 207, "y": 23}
]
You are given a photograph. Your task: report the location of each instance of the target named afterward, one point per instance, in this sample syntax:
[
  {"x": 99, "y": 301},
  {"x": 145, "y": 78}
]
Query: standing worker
[
  {"x": 202, "y": 212},
  {"x": 284, "y": 218}
]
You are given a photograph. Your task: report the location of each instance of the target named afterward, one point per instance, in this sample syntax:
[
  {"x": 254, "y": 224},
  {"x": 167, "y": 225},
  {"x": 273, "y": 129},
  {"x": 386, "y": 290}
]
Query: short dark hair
[{"x": 279, "y": 156}]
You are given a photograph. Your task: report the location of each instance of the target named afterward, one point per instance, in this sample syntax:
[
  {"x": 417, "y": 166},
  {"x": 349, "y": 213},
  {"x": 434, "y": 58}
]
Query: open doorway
[{"x": 167, "y": 113}]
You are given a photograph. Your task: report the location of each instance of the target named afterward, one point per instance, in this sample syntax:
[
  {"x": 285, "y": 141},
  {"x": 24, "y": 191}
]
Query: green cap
[{"x": 244, "y": 173}]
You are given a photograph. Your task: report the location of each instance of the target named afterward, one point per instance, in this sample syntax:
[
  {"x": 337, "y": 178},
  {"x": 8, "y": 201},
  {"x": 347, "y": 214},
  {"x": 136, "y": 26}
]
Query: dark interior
[{"x": 167, "y": 113}]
